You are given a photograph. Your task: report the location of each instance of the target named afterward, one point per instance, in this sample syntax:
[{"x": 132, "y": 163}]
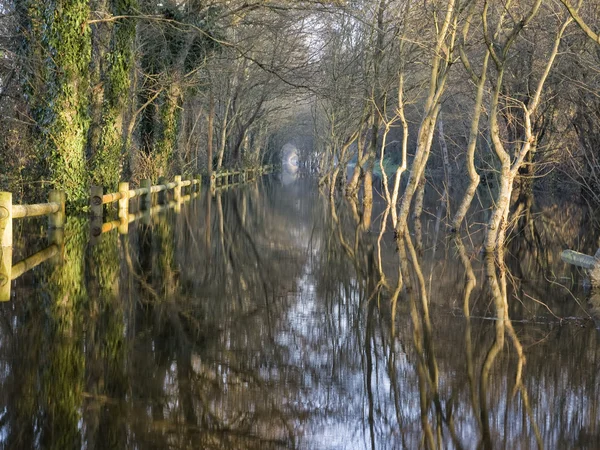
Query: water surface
[{"x": 261, "y": 318}]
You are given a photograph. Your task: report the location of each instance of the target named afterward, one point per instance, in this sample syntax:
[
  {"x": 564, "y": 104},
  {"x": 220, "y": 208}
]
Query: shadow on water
[{"x": 273, "y": 317}]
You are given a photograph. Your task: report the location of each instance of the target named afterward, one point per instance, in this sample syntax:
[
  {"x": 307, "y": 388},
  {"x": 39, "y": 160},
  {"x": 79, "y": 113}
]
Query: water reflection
[{"x": 273, "y": 317}]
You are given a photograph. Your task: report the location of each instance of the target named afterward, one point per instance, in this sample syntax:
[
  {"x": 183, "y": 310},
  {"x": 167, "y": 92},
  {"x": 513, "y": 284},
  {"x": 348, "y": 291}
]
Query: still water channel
[{"x": 261, "y": 318}]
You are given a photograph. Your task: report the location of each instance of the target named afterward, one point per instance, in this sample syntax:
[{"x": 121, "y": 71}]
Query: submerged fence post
[
  {"x": 146, "y": 199},
  {"x": 56, "y": 236},
  {"x": 162, "y": 195},
  {"x": 124, "y": 207},
  {"x": 177, "y": 189},
  {"x": 5, "y": 273},
  {"x": 5, "y": 245},
  {"x": 96, "y": 207},
  {"x": 57, "y": 220},
  {"x": 96, "y": 210}
]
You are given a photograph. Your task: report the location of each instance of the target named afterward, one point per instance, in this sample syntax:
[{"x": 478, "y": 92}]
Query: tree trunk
[
  {"x": 209, "y": 138},
  {"x": 58, "y": 85}
]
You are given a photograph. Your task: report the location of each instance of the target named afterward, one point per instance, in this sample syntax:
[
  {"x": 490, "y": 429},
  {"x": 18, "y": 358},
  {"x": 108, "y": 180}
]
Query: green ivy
[
  {"x": 58, "y": 40},
  {"x": 107, "y": 161},
  {"x": 170, "y": 112}
]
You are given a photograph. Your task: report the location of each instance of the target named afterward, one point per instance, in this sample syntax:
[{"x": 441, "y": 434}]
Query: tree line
[
  {"x": 466, "y": 97},
  {"x": 101, "y": 90}
]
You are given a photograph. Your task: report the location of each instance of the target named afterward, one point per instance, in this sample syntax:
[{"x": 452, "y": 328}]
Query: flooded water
[{"x": 263, "y": 318}]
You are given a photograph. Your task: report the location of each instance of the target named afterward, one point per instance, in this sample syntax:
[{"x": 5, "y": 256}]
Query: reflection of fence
[{"x": 54, "y": 209}]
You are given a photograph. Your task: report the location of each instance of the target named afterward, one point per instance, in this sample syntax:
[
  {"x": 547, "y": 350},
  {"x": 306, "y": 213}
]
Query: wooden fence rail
[
  {"x": 54, "y": 209},
  {"x": 98, "y": 199}
]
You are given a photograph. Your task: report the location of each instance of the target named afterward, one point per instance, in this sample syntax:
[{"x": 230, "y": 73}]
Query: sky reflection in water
[{"x": 256, "y": 319}]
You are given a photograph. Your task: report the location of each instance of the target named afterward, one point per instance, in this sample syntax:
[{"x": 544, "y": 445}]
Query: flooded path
[{"x": 261, "y": 318}]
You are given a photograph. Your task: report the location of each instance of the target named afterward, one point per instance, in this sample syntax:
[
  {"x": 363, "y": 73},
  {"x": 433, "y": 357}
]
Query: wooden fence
[
  {"x": 164, "y": 189},
  {"x": 233, "y": 177},
  {"x": 217, "y": 180},
  {"x": 54, "y": 209}
]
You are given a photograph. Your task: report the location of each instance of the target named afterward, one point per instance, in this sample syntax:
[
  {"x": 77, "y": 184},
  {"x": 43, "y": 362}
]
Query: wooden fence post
[
  {"x": 57, "y": 220},
  {"x": 96, "y": 193},
  {"x": 123, "y": 227},
  {"x": 97, "y": 213},
  {"x": 5, "y": 219},
  {"x": 177, "y": 189},
  {"x": 162, "y": 195},
  {"x": 146, "y": 199},
  {"x": 124, "y": 207},
  {"x": 124, "y": 200},
  {"x": 5, "y": 245}
]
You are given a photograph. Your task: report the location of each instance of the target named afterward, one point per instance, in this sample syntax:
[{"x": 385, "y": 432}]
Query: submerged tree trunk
[
  {"x": 498, "y": 222},
  {"x": 402, "y": 167},
  {"x": 441, "y": 63},
  {"x": 223, "y": 138},
  {"x": 417, "y": 173}
]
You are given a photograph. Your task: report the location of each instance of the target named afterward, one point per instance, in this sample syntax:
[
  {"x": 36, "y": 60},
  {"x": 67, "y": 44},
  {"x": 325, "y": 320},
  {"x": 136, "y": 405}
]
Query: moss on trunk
[
  {"x": 106, "y": 162},
  {"x": 170, "y": 112},
  {"x": 58, "y": 89}
]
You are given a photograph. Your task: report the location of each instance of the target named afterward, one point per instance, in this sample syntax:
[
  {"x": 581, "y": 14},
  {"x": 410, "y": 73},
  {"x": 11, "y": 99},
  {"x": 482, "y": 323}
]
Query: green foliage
[{"x": 79, "y": 105}]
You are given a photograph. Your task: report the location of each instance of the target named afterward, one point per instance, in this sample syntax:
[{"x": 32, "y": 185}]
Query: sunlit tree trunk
[
  {"x": 223, "y": 133},
  {"x": 471, "y": 147},
  {"x": 354, "y": 182},
  {"x": 209, "y": 137},
  {"x": 509, "y": 169},
  {"x": 441, "y": 62},
  {"x": 404, "y": 164}
]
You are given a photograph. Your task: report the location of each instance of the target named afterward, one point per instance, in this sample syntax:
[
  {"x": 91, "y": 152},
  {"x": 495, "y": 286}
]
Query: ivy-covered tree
[{"x": 56, "y": 43}]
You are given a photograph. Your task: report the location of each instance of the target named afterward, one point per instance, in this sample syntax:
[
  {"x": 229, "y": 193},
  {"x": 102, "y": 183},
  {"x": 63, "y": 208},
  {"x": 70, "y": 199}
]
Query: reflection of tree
[
  {"x": 280, "y": 316},
  {"x": 205, "y": 307},
  {"x": 498, "y": 391},
  {"x": 42, "y": 344},
  {"x": 105, "y": 345}
]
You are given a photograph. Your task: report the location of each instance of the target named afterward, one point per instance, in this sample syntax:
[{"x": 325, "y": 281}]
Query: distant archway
[{"x": 289, "y": 158}]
